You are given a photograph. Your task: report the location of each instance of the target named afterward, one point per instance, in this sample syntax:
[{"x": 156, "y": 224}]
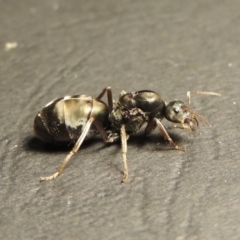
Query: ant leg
[
  {"x": 109, "y": 97},
  {"x": 199, "y": 92},
  {"x": 73, "y": 151},
  {"x": 106, "y": 138},
  {"x": 150, "y": 127},
  {"x": 122, "y": 93},
  {"x": 124, "y": 152},
  {"x": 182, "y": 126},
  {"x": 166, "y": 136}
]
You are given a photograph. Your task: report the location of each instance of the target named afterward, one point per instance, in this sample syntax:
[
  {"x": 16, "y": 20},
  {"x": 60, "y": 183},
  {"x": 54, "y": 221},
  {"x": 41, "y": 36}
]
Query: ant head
[{"x": 178, "y": 112}]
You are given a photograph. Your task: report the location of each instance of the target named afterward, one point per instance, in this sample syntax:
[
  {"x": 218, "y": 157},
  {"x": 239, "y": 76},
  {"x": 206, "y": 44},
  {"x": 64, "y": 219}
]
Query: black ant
[{"x": 75, "y": 118}]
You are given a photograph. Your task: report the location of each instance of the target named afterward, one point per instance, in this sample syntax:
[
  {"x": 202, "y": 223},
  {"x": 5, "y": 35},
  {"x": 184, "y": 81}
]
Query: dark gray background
[{"x": 68, "y": 47}]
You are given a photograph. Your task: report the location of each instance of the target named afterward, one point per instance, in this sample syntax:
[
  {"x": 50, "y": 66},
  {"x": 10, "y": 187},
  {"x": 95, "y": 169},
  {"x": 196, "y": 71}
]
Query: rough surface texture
[{"x": 67, "y": 47}]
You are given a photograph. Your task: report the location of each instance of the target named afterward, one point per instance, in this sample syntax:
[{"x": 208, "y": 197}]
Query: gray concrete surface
[{"x": 79, "y": 47}]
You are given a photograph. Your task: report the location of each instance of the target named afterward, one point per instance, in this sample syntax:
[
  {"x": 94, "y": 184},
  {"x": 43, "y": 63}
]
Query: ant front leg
[{"x": 156, "y": 122}]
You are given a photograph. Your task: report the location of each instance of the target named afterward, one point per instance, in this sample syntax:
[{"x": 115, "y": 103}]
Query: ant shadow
[
  {"x": 35, "y": 144},
  {"x": 32, "y": 143},
  {"x": 96, "y": 144}
]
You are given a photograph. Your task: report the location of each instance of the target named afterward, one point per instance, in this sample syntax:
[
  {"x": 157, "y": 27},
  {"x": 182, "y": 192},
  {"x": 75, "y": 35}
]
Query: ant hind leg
[{"x": 73, "y": 151}]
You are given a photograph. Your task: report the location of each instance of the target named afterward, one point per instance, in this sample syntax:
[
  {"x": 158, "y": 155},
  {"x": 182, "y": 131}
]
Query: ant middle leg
[
  {"x": 124, "y": 152},
  {"x": 107, "y": 138}
]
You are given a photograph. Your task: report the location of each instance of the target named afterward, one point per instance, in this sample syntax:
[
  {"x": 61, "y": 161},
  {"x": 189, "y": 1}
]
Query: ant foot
[
  {"x": 125, "y": 177},
  {"x": 42, "y": 179},
  {"x": 183, "y": 149}
]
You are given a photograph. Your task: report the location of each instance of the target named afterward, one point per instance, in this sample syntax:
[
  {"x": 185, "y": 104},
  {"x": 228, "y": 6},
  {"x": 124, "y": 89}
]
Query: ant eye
[{"x": 176, "y": 110}]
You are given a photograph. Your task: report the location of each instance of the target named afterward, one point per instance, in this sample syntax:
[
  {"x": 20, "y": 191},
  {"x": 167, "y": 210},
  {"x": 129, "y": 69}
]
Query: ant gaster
[{"x": 75, "y": 118}]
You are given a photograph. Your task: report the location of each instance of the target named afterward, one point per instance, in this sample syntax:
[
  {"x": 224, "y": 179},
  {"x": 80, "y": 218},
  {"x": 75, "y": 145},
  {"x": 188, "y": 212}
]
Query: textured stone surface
[{"x": 79, "y": 47}]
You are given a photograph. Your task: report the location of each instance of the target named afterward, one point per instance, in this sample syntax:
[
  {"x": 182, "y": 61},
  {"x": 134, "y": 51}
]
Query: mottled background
[{"x": 52, "y": 48}]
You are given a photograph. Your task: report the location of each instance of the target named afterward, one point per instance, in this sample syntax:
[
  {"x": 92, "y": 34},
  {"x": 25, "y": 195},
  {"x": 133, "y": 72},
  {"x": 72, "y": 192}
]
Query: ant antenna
[{"x": 199, "y": 92}]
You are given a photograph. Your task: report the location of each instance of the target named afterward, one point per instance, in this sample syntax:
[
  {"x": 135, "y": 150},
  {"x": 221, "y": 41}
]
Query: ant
[{"x": 72, "y": 119}]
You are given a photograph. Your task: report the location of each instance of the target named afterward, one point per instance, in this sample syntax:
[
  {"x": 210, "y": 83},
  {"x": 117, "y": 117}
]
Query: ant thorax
[{"x": 133, "y": 119}]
